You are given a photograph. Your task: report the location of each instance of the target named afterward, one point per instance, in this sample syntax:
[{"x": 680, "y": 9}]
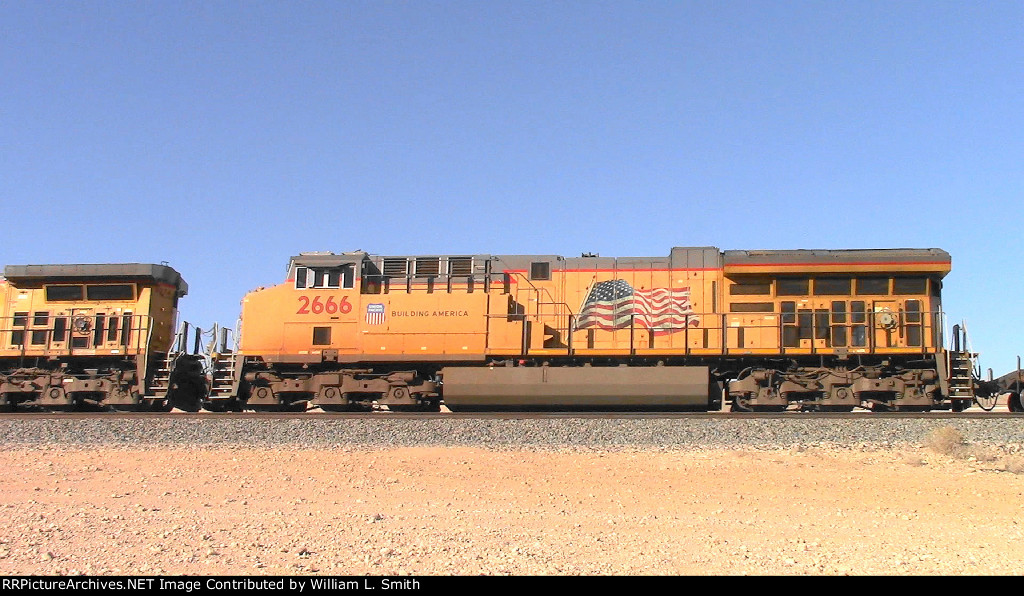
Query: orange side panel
[{"x": 283, "y": 321}]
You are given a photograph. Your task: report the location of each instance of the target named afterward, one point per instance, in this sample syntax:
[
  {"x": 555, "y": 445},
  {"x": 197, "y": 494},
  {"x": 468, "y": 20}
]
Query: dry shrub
[
  {"x": 979, "y": 453},
  {"x": 945, "y": 440},
  {"x": 1014, "y": 464}
]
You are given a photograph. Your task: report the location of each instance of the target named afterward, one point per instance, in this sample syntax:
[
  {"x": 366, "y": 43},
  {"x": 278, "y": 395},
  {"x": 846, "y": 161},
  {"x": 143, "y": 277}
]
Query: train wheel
[
  {"x": 1014, "y": 401},
  {"x": 739, "y": 405}
]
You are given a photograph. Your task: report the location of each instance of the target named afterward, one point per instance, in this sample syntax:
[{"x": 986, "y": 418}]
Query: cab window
[
  {"x": 110, "y": 292},
  {"x": 64, "y": 293},
  {"x": 910, "y": 285},
  {"x": 325, "y": 277}
]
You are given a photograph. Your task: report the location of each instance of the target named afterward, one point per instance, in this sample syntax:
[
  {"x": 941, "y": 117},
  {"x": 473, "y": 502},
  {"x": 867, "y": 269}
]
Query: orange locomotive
[
  {"x": 94, "y": 334},
  {"x": 761, "y": 330}
]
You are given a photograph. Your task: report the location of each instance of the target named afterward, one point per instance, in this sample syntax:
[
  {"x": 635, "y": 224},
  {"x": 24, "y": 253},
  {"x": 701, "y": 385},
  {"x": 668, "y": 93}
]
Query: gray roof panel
[
  {"x": 890, "y": 255},
  {"x": 96, "y": 272}
]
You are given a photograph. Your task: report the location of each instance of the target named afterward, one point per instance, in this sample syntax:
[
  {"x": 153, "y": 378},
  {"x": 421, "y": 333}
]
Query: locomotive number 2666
[{"x": 317, "y": 305}]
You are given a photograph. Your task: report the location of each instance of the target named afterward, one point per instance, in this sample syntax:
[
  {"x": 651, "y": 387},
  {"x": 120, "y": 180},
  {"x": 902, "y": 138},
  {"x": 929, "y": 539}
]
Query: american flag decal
[
  {"x": 615, "y": 304},
  {"x": 375, "y": 313}
]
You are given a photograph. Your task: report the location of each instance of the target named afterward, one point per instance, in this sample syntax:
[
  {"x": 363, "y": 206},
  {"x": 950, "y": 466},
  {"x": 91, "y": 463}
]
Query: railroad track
[{"x": 502, "y": 415}]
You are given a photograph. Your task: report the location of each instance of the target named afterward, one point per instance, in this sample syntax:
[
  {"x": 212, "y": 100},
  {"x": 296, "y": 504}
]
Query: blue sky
[{"x": 224, "y": 137}]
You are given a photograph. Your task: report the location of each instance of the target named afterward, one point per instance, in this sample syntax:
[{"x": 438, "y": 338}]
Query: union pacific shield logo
[{"x": 375, "y": 313}]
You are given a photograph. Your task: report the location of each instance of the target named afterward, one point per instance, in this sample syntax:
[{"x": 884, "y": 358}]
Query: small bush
[
  {"x": 1014, "y": 464},
  {"x": 945, "y": 440},
  {"x": 979, "y": 454}
]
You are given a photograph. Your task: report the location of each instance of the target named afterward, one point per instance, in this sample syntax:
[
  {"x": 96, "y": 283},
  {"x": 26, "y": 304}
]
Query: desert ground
[{"x": 465, "y": 510}]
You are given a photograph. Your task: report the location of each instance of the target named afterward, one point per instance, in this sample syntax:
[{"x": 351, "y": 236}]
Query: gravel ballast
[{"x": 501, "y": 433}]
